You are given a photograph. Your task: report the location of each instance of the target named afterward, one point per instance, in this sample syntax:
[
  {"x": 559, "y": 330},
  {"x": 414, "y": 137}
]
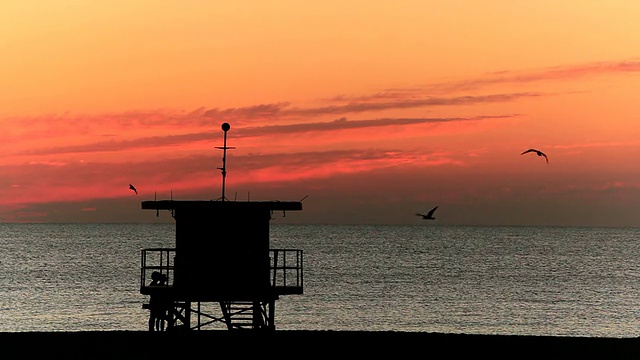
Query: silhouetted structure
[{"x": 222, "y": 269}]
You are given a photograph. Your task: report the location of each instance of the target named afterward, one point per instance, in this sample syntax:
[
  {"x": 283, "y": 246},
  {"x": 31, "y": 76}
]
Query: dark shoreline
[{"x": 281, "y": 343}]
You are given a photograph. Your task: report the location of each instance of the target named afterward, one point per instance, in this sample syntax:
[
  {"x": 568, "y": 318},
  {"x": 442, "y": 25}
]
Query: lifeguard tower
[{"x": 221, "y": 270}]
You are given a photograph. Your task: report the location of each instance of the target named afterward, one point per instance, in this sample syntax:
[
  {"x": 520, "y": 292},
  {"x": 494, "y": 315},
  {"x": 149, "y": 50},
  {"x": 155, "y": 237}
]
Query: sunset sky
[{"x": 371, "y": 111}]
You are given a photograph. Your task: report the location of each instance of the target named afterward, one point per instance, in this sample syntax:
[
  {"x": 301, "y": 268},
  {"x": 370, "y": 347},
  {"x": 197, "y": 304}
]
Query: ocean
[{"x": 551, "y": 281}]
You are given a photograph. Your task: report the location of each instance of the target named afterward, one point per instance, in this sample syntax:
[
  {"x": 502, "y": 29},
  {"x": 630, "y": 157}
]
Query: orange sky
[{"x": 372, "y": 110}]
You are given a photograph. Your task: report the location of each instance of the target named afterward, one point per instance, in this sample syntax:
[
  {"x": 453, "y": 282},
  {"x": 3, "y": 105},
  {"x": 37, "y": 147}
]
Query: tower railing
[
  {"x": 286, "y": 267},
  {"x": 157, "y": 259}
]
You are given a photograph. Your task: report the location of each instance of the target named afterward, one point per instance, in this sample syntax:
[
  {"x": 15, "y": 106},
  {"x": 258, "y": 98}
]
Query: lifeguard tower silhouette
[{"x": 221, "y": 270}]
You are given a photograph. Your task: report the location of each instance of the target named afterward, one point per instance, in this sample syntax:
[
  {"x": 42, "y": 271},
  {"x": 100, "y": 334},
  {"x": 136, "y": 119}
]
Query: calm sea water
[{"x": 560, "y": 281}]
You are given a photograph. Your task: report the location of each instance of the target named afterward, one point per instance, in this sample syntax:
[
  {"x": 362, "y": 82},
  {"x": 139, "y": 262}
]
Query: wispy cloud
[
  {"x": 252, "y": 131},
  {"x": 571, "y": 72},
  {"x": 119, "y": 145},
  {"x": 256, "y": 112},
  {"x": 344, "y": 124},
  {"x": 123, "y": 130},
  {"x": 406, "y": 103},
  {"x": 350, "y": 105},
  {"x": 341, "y": 105}
]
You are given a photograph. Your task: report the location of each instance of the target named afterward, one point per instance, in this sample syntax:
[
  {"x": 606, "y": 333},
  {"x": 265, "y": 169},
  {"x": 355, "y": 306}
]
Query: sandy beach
[{"x": 210, "y": 344}]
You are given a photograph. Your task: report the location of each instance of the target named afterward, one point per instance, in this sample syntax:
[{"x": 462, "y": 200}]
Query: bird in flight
[
  {"x": 133, "y": 188},
  {"x": 429, "y": 215},
  {"x": 538, "y": 152}
]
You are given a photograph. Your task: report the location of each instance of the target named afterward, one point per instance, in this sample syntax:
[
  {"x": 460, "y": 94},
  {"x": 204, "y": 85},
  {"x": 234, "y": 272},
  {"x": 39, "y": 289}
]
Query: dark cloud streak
[
  {"x": 110, "y": 146},
  {"x": 358, "y": 107},
  {"x": 551, "y": 73},
  {"x": 344, "y": 124},
  {"x": 175, "y": 140}
]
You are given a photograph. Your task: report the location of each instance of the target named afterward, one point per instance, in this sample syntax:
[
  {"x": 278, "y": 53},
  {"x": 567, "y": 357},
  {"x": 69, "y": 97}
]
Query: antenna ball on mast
[{"x": 226, "y": 127}]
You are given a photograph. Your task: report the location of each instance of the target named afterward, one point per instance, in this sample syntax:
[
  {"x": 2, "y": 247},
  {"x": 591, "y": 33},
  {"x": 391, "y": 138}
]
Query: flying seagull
[
  {"x": 540, "y": 153},
  {"x": 429, "y": 215},
  {"x": 133, "y": 188}
]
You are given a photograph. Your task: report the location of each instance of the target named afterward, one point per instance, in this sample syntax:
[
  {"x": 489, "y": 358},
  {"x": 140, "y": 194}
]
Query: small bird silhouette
[
  {"x": 429, "y": 215},
  {"x": 540, "y": 153},
  {"x": 133, "y": 188}
]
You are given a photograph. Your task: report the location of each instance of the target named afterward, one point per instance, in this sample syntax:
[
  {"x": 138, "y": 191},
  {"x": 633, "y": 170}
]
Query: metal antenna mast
[{"x": 225, "y": 128}]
